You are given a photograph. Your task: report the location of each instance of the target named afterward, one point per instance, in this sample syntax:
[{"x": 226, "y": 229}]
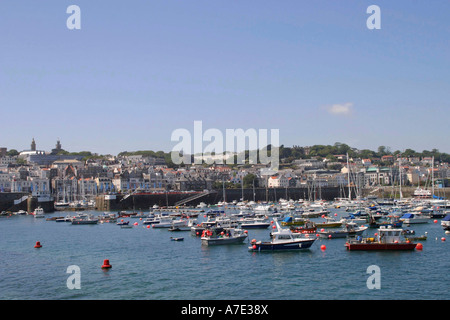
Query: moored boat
[
  {"x": 349, "y": 230},
  {"x": 386, "y": 239},
  {"x": 255, "y": 223},
  {"x": 413, "y": 218},
  {"x": 329, "y": 223},
  {"x": 222, "y": 236},
  {"x": 84, "y": 219},
  {"x": 39, "y": 213},
  {"x": 445, "y": 223},
  {"x": 283, "y": 239}
]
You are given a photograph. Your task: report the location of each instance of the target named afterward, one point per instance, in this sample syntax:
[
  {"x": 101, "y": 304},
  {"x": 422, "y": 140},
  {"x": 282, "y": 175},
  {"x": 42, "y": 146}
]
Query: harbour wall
[
  {"x": 144, "y": 202},
  {"x": 27, "y": 202}
]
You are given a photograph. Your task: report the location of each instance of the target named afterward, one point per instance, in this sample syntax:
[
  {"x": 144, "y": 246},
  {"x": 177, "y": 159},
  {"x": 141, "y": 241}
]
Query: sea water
[{"x": 146, "y": 264}]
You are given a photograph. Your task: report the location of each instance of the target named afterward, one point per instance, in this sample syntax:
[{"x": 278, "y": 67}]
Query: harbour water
[{"x": 146, "y": 264}]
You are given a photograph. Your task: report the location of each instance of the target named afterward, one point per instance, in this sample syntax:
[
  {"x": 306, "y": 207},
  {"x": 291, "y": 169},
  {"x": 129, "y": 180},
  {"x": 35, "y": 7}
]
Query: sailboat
[{"x": 61, "y": 205}]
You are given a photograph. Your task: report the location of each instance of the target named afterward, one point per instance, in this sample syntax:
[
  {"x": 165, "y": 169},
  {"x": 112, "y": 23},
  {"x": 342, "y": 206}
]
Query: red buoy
[
  {"x": 38, "y": 245},
  {"x": 442, "y": 239},
  {"x": 419, "y": 246},
  {"x": 106, "y": 264},
  {"x": 323, "y": 247}
]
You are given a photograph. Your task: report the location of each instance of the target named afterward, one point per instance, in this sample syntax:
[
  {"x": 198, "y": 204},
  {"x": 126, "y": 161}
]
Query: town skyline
[{"x": 132, "y": 74}]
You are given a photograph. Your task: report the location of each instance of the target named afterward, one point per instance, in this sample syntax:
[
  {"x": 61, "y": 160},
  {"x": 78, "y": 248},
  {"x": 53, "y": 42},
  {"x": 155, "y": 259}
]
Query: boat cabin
[{"x": 389, "y": 235}]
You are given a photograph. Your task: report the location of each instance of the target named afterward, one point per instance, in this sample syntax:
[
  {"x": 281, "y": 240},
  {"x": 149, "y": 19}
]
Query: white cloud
[{"x": 341, "y": 109}]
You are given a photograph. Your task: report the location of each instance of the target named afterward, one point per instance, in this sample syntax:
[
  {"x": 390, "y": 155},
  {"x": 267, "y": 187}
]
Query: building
[{"x": 279, "y": 181}]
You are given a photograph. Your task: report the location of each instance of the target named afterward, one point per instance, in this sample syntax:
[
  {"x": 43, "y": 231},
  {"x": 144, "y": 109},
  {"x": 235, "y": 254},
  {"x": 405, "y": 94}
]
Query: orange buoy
[
  {"x": 38, "y": 245},
  {"x": 323, "y": 247},
  {"x": 106, "y": 264},
  {"x": 419, "y": 246},
  {"x": 148, "y": 226}
]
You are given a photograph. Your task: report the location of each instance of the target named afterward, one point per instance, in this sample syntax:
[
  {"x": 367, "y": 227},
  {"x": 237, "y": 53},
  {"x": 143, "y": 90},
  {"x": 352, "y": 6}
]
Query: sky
[{"x": 138, "y": 70}]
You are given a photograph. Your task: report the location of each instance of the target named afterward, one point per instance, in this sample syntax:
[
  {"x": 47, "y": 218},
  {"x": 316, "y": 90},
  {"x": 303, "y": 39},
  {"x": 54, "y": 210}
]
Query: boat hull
[
  {"x": 222, "y": 241},
  {"x": 255, "y": 226},
  {"x": 380, "y": 246},
  {"x": 85, "y": 222},
  {"x": 294, "y": 245}
]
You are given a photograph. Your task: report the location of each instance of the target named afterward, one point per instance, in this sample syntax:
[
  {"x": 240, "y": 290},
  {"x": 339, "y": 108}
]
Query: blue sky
[{"x": 138, "y": 70}]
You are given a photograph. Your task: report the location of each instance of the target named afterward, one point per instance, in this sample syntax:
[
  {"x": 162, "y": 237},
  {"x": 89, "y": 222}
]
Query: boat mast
[
  {"x": 432, "y": 177},
  {"x": 348, "y": 178},
  {"x": 400, "y": 176}
]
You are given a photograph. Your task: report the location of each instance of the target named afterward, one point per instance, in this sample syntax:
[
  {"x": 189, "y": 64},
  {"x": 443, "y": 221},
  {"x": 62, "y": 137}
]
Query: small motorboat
[
  {"x": 84, "y": 219},
  {"x": 283, "y": 239},
  {"x": 349, "y": 230},
  {"x": 255, "y": 223},
  {"x": 329, "y": 223},
  {"x": 221, "y": 236},
  {"x": 176, "y": 239},
  {"x": 123, "y": 223},
  {"x": 39, "y": 213}
]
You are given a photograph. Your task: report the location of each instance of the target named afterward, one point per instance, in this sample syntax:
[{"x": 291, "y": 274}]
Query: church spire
[{"x": 33, "y": 145}]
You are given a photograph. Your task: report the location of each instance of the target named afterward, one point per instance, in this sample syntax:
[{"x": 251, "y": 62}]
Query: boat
[
  {"x": 176, "y": 239},
  {"x": 255, "y": 223},
  {"x": 308, "y": 227},
  {"x": 84, "y": 219},
  {"x": 223, "y": 236},
  {"x": 164, "y": 222},
  {"x": 329, "y": 223},
  {"x": 107, "y": 218},
  {"x": 197, "y": 229},
  {"x": 283, "y": 239},
  {"x": 39, "y": 213},
  {"x": 151, "y": 220},
  {"x": 181, "y": 225},
  {"x": 61, "y": 205},
  {"x": 445, "y": 223},
  {"x": 123, "y": 223},
  {"x": 392, "y": 221},
  {"x": 292, "y": 221},
  {"x": 67, "y": 218},
  {"x": 422, "y": 237},
  {"x": 413, "y": 218},
  {"x": 387, "y": 238},
  {"x": 349, "y": 230}
]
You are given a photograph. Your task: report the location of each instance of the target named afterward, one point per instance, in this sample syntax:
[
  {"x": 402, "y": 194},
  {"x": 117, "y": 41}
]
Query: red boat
[
  {"x": 386, "y": 239},
  {"x": 308, "y": 227}
]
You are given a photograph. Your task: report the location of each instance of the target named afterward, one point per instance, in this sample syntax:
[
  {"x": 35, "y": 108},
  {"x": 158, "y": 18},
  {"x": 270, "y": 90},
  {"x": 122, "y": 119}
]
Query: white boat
[
  {"x": 39, "y": 213},
  {"x": 255, "y": 223},
  {"x": 445, "y": 223},
  {"x": 181, "y": 225},
  {"x": 349, "y": 230},
  {"x": 283, "y": 239},
  {"x": 222, "y": 236},
  {"x": 164, "y": 222},
  {"x": 413, "y": 218}
]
